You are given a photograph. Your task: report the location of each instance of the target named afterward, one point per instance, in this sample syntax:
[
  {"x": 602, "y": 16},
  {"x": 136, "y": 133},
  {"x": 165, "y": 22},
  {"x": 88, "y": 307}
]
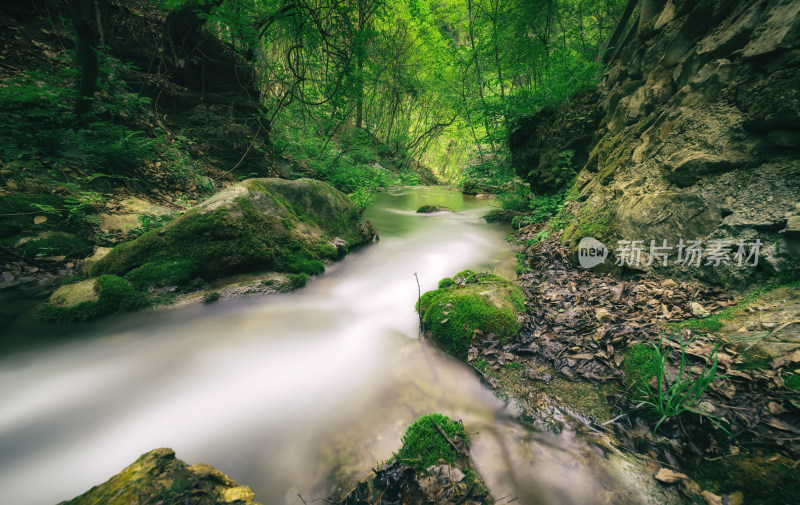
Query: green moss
[
  {"x": 297, "y": 280},
  {"x": 447, "y": 281},
  {"x": 424, "y": 445},
  {"x": 471, "y": 302},
  {"x": 427, "y": 209},
  {"x": 638, "y": 363},
  {"x": 589, "y": 221},
  {"x": 763, "y": 479},
  {"x": 163, "y": 273},
  {"x": 114, "y": 294},
  {"x": 716, "y": 321},
  {"x": 247, "y": 235}
]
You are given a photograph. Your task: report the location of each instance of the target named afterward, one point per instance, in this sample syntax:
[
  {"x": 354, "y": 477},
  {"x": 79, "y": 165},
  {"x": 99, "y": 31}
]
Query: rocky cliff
[{"x": 693, "y": 135}]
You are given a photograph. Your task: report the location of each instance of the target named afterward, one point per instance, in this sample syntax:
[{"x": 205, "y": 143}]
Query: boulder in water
[
  {"x": 157, "y": 477},
  {"x": 257, "y": 224}
]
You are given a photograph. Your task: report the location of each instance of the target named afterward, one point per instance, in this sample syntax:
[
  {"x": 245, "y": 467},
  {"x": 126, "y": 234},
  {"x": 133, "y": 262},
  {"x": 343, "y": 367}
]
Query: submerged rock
[
  {"x": 91, "y": 298},
  {"x": 471, "y": 304},
  {"x": 257, "y": 224},
  {"x": 158, "y": 478}
]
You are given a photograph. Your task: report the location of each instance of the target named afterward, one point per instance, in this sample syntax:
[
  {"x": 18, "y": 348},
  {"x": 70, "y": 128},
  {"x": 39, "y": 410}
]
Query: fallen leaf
[
  {"x": 789, "y": 358},
  {"x": 711, "y": 498},
  {"x": 668, "y": 476},
  {"x": 39, "y": 219},
  {"x": 776, "y": 408},
  {"x": 777, "y": 423}
]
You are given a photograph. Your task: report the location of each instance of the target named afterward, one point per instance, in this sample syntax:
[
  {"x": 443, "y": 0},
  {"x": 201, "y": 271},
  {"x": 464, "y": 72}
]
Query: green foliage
[
  {"x": 57, "y": 245},
  {"x": 363, "y": 196},
  {"x": 673, "y": 395},
  {"x": 163, "y": 273},
  {"x": 149, "y": 223},
  {"x": 424, "y": 445}
]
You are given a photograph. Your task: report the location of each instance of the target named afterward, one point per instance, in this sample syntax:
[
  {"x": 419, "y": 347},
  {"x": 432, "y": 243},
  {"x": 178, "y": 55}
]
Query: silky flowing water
[{"x": 292, "y": 393}]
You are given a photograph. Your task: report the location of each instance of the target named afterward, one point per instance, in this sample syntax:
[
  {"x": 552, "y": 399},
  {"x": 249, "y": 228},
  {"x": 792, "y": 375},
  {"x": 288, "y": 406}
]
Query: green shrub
[
  {"x": 424, "y": 445},
  {"x": 673, "y": 395},
  {"x": 58, "y": 245}
]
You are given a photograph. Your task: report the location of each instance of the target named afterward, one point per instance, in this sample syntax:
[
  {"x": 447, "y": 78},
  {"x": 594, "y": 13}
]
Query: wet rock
[
  {"x": 158, "y": 478},
  {"x": 91, "y": 298},
  {"x": 471, "y": 306},
  {"x": 697, "y": 137},
  {"x": 258, "y": 224},
  {"x": 793, "y": 227}
]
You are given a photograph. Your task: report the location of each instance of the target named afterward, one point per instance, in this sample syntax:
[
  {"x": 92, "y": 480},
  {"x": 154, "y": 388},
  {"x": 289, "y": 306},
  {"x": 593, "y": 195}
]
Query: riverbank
[{"x": 584, "y": 359}]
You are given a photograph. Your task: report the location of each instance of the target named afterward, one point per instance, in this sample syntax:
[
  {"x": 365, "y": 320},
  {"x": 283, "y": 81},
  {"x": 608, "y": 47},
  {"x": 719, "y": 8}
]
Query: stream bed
[{"x": 290, "y": 394}]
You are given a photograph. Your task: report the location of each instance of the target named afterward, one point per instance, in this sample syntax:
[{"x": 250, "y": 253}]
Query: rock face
[
  {"x": 258, "y": 224},
  {"x": 471, "y": 303},
  {"x": 158, "y": 478},
  {"x": 699, "y": 138}
]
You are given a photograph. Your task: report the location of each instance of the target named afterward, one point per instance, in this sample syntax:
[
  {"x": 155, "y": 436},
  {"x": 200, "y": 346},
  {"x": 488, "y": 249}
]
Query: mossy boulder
[
  {"x": 429, "y": 209},
  {"x": 91, "y": 298},
  {"x": 257, "y": 224},
  {"x": 469, "y": 302},
  {"x": 432, "y": 466},
  {"x": 157, "y": 477}
]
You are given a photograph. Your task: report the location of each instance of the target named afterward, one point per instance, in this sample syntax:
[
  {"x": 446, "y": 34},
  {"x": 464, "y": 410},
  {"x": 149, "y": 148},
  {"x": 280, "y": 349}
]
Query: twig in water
[{"x": 419, "y": 299}]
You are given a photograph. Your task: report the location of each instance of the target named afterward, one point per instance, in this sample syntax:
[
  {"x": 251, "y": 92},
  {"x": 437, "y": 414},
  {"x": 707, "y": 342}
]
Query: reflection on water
[{"x": 285, "y": 393}]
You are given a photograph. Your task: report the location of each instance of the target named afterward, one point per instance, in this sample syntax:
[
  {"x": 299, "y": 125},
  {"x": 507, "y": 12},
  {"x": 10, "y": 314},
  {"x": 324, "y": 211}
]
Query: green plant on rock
[
  {"x": 673, "y": 395},
  {"x": 424, "y": 444}
]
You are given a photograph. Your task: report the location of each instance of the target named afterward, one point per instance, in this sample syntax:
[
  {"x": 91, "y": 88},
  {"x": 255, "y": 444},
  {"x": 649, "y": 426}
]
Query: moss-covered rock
[
  {"x": 158, "y": 478},
  {"x": 428, "y": 209},
  {"x": 258, "y": 224},
  {"x": 470, "y": 302},
  {"x": 432, "y": 466},
  {"x": 79, "y": 301}
]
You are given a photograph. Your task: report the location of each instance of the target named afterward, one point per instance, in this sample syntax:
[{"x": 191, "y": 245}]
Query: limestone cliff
[{"x": 698, "y": 139}]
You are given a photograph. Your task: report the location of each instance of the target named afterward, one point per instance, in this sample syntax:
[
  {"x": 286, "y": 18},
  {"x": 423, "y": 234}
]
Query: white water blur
[{"x": 289, "y": 394}]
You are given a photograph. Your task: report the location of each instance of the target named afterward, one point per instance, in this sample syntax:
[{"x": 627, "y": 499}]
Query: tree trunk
[{"x": 84, "y": 19}]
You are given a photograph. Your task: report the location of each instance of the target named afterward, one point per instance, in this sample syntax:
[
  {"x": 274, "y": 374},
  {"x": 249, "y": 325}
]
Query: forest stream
[{"x": 292, "y": 394}]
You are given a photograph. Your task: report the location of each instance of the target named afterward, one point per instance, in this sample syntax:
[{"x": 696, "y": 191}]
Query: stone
[
  {"x": 91, "y": 298},
  {"x": 792, "y": 229},
  {"x": 686, "y": 167},
  {"x": 158, "y": 477},
  {"x": 258, "y": 224}
]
